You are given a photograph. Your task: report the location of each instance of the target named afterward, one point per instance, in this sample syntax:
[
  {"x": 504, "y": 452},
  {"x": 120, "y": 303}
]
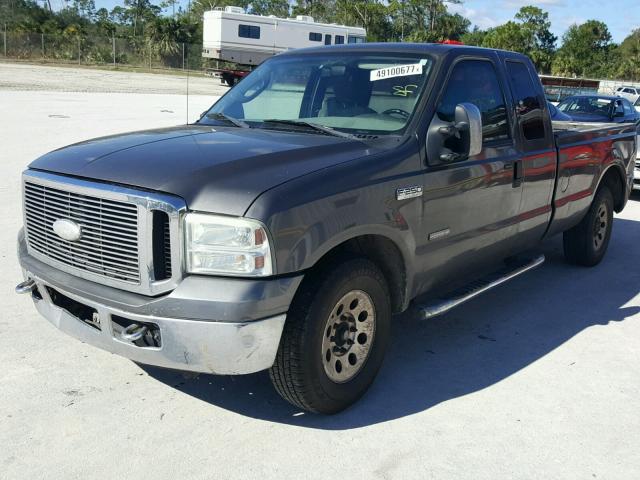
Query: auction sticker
[{"x": 396, "y": 71}]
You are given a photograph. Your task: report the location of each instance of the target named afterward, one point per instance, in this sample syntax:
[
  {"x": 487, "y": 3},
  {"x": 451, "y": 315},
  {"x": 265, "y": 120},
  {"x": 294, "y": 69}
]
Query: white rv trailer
[{"x": 234, "y": 36}]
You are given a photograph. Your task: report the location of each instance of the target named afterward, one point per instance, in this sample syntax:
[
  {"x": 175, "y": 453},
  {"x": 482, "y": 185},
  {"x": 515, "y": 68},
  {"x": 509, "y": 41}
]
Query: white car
[{"x": 631, "y": 93}]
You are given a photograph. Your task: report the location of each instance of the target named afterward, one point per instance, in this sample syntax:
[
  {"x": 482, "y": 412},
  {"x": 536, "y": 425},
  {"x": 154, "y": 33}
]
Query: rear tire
[
  {"x": 335, "y": 337},
  {"x": 586, "y": 243}
]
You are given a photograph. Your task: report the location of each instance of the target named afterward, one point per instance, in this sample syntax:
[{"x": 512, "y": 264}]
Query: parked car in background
[
  {"x": 599, "y": 108},
  {"x": 556, "y": 114},
  {"x": 631, "y": 93}
]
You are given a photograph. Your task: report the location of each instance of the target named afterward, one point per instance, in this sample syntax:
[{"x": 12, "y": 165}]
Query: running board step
[{"x": 462, "y": 295}]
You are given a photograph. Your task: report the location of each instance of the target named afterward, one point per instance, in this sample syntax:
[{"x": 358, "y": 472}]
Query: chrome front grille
[
  {"x": 108, "y": 245},
  {"x": 118, "y": 245}
]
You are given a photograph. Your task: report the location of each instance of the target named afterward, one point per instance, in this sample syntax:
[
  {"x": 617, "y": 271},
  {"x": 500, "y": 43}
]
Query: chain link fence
[
  {"x": 102, "y": 51},
  {"x": 139, "y": 53}
]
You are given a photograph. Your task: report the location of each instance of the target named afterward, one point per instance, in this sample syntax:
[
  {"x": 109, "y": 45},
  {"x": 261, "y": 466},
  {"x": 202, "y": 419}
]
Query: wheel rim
[
  {"x": 600, "y": 226},
  {"x": 348, "y": 336}
]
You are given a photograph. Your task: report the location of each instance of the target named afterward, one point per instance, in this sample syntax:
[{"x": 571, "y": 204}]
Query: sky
[{"x": 622, "y": 16}]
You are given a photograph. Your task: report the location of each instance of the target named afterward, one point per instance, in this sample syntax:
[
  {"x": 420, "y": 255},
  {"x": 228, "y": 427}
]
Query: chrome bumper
[{"x": 199, "y": 346}]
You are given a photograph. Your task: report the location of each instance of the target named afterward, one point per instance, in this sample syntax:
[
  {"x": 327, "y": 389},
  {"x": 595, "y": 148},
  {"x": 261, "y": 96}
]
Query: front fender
[{"x": 309, "y": 217}]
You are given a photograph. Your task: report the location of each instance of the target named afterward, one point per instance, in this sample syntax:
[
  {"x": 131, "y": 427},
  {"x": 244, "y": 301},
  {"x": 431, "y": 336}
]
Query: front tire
[
  {"x": 586, "y": 243},
  {"x": 335, "y": 337}
]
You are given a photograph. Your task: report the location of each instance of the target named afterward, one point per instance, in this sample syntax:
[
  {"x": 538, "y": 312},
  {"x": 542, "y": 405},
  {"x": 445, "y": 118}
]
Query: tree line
[{"x": 585, "y": 50}]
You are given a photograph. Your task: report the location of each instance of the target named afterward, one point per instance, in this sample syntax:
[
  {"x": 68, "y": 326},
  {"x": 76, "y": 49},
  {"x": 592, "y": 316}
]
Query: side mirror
[
  {"x": 469, "y": 114},
  {"x": 453, "y": 141}
]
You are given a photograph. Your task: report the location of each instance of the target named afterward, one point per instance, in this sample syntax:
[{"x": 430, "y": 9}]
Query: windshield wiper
[
  {"x": 310, "y": 125},
  {"x": 227, "y": 118}
]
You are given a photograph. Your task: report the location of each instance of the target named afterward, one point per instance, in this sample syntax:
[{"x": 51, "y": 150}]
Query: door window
[
  {"x": 527, "y": 100},
  {"x": 475, "y": 81},
  {"x": 327, "y": 39}
]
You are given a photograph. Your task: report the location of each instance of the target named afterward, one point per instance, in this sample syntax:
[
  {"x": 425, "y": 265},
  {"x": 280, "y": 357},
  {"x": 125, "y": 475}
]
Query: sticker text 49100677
[{"x": 396, "y": 71}]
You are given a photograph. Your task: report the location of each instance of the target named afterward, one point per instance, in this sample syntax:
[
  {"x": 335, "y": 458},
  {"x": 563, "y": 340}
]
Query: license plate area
[{"x": 84, "y": 313}]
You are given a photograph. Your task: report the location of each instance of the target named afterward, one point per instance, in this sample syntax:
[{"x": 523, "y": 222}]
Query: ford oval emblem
[{"x": 67, "y": 229}]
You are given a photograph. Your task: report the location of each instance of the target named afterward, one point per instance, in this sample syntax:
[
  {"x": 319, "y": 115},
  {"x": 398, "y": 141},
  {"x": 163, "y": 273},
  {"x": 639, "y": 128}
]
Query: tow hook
[
  {"x": 133, "y": 332},
  {"x": 28, "y": 286}
]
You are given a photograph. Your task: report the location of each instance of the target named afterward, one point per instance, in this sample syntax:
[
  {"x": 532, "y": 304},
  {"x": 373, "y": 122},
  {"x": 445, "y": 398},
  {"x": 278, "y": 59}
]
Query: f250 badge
[{"x": 403, "y": 193}]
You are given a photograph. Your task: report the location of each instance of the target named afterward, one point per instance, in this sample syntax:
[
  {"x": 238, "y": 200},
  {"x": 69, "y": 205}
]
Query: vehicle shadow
[{"x": 471, "y": 348}]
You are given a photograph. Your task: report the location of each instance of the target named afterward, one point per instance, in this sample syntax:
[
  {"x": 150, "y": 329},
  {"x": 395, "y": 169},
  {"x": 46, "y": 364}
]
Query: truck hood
[{"x": 214, "y": 169}]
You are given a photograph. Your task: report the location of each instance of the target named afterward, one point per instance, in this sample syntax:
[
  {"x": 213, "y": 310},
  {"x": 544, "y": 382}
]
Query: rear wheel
[
  {"x": 335, "y": 337},
  {"x": 586, "y": 243}
]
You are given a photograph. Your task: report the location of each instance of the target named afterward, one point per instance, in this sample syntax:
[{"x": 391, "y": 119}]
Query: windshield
[
  {"x": 586, "y": 105},
  {"x": 371, "y": 94}
]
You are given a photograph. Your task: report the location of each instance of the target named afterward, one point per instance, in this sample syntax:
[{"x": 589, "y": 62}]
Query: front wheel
[
  {"x": 586, "y": 243},
  {"x": 334, "y": 338}
]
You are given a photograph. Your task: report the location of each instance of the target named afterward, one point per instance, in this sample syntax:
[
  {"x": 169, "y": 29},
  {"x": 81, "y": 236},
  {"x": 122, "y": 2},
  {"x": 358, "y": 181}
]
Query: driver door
[{"x": 470, "y": 205}]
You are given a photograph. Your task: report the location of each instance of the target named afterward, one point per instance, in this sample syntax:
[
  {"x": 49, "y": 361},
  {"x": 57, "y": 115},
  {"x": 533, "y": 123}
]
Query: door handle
[{"x": 517, "y": 173}]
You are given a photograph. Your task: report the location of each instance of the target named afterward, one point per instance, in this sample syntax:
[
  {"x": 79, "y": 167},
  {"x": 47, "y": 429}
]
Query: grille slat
[
  {"x": 84, "y": 202},
  {"x": 94, "y": 234},
  {"x": 88, "y": 215},
  {"x": 80, "y": 250},
  {"x": 105, "y": 219},
  {"x": 99, "y": 271},
  {"x": 167, "y": 249},
  {"x": 124, "y": 269},
  {"x": 90, "y": 241},
  {"x": 82, "y": 199},
  {"x": 109, "y": 242}
]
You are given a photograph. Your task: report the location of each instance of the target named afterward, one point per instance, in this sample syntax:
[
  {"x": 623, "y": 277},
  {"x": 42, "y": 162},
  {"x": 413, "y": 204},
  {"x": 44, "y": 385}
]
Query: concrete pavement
[{"x": 538, "y": 379}]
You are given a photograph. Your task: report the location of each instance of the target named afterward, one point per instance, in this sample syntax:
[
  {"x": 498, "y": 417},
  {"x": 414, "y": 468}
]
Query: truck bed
[
  {"x": 568, "y": 131},
  {"x": 585, "y": 151}
]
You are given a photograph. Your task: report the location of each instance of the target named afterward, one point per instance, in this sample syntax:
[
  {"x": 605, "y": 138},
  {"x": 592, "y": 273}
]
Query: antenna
[{"x": 187, "y": 83}]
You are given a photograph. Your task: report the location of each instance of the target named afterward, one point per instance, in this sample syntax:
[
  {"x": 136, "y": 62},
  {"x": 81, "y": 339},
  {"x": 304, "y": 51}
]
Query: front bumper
[{"x": 239, "y": 344}]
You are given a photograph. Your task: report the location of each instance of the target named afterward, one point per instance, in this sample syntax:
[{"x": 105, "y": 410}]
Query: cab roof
[{"x": 435, "y": 49}]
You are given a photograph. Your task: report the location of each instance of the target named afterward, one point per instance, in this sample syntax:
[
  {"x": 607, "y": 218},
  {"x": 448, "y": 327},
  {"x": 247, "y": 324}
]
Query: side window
[
  {"x": 315, "y": 37},
  {"x": 528, "y": 105},
  {"x": 354, "y": 39},
  {"x": 327, "y": 39},
  {"x": 339, "y": 39},
  {"x": 475, "y": 81},
  {"x": 248, "y": 31},
  {"x": 628, "y": 109}
]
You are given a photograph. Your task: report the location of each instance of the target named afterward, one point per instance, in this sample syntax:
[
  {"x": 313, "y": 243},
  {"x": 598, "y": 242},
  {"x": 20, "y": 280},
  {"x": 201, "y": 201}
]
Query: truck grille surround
[{"x": 129, "y": 239}]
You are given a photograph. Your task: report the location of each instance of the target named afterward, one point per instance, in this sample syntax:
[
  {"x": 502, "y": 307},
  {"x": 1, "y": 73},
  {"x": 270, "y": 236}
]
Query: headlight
[{"x": 220, "y": 245}]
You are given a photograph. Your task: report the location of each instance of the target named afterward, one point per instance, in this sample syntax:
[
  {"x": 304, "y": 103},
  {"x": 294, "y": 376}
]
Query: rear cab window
[{"x": 528, "y": 103}]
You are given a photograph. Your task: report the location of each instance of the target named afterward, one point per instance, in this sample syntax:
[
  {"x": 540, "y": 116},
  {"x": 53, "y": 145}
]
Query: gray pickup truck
[{"x": 324, "y": 193}]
